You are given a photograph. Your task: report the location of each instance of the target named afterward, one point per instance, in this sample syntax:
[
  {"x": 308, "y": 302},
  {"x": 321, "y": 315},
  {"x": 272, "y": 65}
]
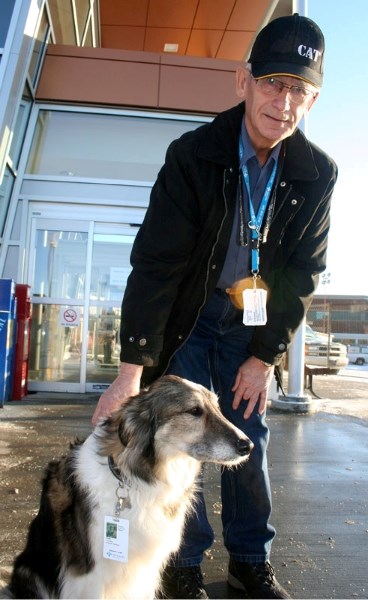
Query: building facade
[
  {"x": 345, "y": 317},
  {"x": 89, "y": 101}
]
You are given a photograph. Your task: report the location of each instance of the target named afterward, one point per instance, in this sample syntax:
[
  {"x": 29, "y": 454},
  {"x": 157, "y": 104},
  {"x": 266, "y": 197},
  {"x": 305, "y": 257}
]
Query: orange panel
[
  {"x": 235, "y": 45},
  {"x": 171, "y": 13},
  {"x": 123, "y": 12},
  {"x": 213, "y": 14},
  {"x": 210, "y": 64},
  {"x": 137, "y": 79},
  {"x": 72, "y": 79},
  {"x": 247, "y": 15},
  {"x": 156, "y": 38},
  {"x": 198, "y": 90},
  {"x": 125, "y": 38},
  {"x": 204, "y": 43},
  {"x": 102, "y": 54}
]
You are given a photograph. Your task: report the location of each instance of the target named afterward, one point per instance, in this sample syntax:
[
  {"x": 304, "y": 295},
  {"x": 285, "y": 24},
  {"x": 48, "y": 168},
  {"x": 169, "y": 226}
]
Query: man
[{"x": 240, "y": 204}]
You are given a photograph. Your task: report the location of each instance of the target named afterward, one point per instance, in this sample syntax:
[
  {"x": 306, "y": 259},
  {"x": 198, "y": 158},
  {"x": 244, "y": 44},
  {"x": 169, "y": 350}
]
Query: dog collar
[
  {"x": 115, "y": 469},
  {"x": 123, "y": 479}
]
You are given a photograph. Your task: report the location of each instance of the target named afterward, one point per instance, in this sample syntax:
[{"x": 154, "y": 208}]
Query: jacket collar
[{"x": 220, "y": 145}]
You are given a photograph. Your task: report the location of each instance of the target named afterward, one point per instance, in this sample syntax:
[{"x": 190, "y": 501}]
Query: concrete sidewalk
[{"x": 319, "y": 475}]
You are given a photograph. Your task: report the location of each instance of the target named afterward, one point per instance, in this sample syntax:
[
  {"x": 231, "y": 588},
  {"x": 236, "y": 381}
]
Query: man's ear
[{"x": 242, "y": 78}]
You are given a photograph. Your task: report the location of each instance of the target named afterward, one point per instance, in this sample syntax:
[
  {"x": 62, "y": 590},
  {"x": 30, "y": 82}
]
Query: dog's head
[{"x": 173, "y": 417}]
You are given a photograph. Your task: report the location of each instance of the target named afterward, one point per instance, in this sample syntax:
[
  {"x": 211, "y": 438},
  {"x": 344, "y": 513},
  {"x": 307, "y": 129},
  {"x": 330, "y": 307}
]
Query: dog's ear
[
  {"x": 138, "y": 424},
  {"x": 124, "y": 434},
  {"x": 137, "y": 430},
  {"x": 107, "y": 434},
  {"x": 149, "y": 428}
]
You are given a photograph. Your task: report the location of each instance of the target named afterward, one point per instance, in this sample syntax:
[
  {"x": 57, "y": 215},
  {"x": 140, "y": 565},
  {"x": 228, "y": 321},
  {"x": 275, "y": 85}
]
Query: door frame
[{"x": 123, "y": 221}]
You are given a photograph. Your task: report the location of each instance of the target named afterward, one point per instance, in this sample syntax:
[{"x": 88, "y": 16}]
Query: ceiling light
[{"x": 171, "y": 47}]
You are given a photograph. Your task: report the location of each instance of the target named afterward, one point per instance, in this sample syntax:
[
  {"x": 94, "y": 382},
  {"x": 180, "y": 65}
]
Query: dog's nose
[{"x": 244, "y": 446}]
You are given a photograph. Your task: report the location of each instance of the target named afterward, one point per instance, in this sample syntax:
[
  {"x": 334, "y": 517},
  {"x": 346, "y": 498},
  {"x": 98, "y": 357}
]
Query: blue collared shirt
[{"x": 237, "y": 262}]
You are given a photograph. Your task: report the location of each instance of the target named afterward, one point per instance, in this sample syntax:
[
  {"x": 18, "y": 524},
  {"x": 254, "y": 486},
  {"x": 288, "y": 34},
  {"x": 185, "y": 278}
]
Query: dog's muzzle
[{"x": 244, "y": 446}]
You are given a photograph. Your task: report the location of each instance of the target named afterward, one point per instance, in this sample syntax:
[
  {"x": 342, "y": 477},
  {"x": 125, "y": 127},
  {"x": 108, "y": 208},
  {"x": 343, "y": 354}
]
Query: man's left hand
[{"x": 251, "y": 385}]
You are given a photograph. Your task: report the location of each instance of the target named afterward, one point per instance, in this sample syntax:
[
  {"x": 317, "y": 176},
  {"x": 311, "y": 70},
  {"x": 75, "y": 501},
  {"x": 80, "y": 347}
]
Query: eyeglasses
[{"x": 274, "y": 87}]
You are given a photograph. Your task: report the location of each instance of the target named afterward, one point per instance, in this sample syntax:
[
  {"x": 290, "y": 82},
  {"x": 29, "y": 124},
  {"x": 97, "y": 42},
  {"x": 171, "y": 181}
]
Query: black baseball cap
[{"x": 292, "y": 45}]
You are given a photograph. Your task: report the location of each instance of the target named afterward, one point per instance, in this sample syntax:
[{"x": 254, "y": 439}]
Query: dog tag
[
  {"x": 254, "y": 302},
  {"x": 116, "y": 537},
  {"x": 122, "y": 504}
]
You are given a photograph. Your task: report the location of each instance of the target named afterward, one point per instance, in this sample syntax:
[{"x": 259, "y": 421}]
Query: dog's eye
[{"x": 196, "y": 411}]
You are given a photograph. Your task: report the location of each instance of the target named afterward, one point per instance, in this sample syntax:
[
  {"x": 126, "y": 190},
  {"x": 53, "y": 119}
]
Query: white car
[
  {"x": 321, "y": 351},
  {"x": 358, "y": 355}
]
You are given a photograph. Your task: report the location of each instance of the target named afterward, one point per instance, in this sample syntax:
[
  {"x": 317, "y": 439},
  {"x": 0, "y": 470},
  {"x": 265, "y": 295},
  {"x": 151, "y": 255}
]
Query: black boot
[
  {"x": 256, "y": 580},
  {"x": 182, "y": 582}
]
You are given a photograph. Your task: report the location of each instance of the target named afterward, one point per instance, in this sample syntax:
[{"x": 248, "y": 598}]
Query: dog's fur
[{"x": 157, "y": 440}]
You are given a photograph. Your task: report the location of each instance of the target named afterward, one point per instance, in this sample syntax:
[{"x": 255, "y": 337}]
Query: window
[
  {"x": 75, "y": 22},
  {"x": 6, "y": 15},
  {"x": 108, "y": 146},
  {"x": 5, "y": 193},
  {"x": 20, "y": 126},
  {"x": 39, "y": 48}
]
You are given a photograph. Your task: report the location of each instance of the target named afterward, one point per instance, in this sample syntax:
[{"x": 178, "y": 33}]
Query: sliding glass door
[{"x": 78, "y": 272}]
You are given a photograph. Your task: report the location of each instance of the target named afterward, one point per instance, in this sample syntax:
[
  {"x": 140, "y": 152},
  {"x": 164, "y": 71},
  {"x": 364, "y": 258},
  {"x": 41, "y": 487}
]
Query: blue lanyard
[{"x": 256, "y": 220}]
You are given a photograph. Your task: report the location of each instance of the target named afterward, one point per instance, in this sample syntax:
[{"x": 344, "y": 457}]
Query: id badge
[
  {"x": 116, "y": 537},
  {"x": 254, "y": 302}
]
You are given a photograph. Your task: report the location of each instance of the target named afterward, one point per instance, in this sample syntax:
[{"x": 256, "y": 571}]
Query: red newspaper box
[{"x": 21, "y": 357}]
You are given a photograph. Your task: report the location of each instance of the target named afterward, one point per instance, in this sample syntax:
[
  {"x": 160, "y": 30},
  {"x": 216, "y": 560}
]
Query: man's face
[{"x": 271, "y": 118}]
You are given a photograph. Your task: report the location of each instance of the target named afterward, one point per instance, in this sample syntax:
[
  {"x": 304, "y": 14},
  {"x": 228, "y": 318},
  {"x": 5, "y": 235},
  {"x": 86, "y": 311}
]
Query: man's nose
[{"x": 282, "y": 100}]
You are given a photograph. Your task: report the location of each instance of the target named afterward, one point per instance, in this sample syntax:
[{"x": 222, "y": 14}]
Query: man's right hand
[{"x": 126, "y": 384}]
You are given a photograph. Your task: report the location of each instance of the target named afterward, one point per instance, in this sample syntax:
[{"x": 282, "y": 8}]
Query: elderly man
[{"x": 224, "y": 268}]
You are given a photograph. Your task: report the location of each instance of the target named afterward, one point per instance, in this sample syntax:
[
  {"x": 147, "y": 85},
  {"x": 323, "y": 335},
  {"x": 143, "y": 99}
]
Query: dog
[{"x": 113, "y": 509}]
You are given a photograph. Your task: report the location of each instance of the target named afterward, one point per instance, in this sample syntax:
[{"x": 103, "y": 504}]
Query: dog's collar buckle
[
  {"x": 122, "y": 491},
  {"x": 123, "y": 499},
  {"x": 123, "y": 502}
]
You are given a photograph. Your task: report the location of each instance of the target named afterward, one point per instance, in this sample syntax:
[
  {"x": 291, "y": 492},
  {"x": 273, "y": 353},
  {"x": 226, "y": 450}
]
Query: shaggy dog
[{"x": 113, "y": 509}]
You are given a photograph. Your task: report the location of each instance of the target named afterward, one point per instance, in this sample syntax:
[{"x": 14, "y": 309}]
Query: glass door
[
  {"x": 59, "y": 251},
  {"x": 78, "y": 273},
  {"x": 110, "y": 269}
]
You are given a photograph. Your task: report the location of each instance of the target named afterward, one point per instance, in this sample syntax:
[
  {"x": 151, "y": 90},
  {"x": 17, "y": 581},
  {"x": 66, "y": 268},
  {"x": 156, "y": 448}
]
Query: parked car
[
  {"x": 358, "y": 355},
  {"x": 322, "y": 351}
]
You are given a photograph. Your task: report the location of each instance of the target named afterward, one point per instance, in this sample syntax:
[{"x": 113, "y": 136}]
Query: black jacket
[{"x": 181, "y": 246}]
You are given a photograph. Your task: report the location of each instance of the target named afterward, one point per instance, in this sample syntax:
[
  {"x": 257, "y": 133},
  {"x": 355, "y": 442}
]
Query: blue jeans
[{"x": 211, "y": 356}]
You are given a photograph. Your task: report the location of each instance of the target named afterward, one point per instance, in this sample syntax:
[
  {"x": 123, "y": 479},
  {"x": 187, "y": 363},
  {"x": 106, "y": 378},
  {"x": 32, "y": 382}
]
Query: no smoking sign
[{"x": 70, "y": 317}]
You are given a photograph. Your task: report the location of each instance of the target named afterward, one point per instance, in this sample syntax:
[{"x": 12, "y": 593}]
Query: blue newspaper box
[{"x": 7, "y": 337}]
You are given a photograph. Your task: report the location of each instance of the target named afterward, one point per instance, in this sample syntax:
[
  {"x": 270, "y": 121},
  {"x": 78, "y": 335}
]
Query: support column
[{"x": 296, "y": 400}]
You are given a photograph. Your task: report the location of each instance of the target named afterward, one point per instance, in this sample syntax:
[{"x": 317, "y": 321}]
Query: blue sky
[{"x": 338, "y": 123}]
